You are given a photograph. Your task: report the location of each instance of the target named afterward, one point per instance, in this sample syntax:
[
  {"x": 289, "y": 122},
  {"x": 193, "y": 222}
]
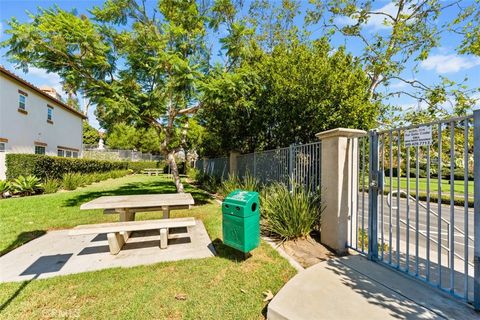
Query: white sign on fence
[{"x": 421, "y": 136}]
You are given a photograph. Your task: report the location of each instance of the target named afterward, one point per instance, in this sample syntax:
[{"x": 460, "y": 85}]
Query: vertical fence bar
[
  {"x": 476, "y": 215},
  {"x": 427, "y": 275},
  {"x": 373, "y": 197},
  {"x": 352, "y": 201},
  {"x": 398, "y": 197},
  {"x": 357, "y": 192},
  {"x": 452, "y": 207},
  {"x": 390, "y": 245},
  {"x": 363, "y": 195},
  {"x": 465, "y": 205},
  {"x": 416, "y": 209},
  {"x": 290, "y": 166},
  {"x": 407, "y": 237},
  {"x": 381, "y": 195},
  {"x": 439, "y": 227}
]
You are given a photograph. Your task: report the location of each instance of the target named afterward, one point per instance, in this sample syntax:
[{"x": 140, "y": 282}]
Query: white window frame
[
  {"x": 3, "y": 147},
  {"x": 68, "y": 153},
  {"x": 20, "y": 102},
  {"x": 49, "y": 113},
  {"x": 40, "y": 147},
  {"x": 74, "y": 154},
  {"x": 60, "y": 153}
]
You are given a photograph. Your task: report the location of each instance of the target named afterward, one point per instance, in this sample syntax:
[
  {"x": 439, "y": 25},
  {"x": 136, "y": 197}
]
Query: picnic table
[
  {"x": 127, "y": 206},
  {"x": 153, "y": 171}
]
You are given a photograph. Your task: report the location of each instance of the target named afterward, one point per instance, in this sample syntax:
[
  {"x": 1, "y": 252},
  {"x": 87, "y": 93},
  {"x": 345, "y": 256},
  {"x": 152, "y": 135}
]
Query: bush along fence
[
  {"x": 48, "y": 167},
  {"x": 297, "y": 164}
]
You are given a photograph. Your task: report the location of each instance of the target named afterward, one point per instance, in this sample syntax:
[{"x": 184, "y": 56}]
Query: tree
[
  {"x": 286, "y": 96},
  {"x": 139, "y": 66},
  {"x": 126, "y": 137},
  {"x": 406, "y": 32},
  {"x": 91, "y": 136}
]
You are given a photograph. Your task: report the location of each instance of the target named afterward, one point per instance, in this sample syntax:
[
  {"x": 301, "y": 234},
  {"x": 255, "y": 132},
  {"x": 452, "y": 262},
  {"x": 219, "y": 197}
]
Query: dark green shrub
[
  {"x": 26, "y": 186},
  {"x": 72, "y": 181},
  {"x": 44, "y": 167},
  {"x": 51, "y": 186},
  {"x": 5, "y": 186},
  {"x": 290, "y": 215}
]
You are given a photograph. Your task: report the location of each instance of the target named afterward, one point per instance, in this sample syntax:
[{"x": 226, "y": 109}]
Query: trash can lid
[{"x": 241, "y": 197}]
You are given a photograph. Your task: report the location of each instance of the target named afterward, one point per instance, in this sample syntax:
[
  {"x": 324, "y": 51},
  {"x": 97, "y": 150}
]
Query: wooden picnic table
[
  {"x": 153, "y": 171},
  {"x": 127, "y": 206}
]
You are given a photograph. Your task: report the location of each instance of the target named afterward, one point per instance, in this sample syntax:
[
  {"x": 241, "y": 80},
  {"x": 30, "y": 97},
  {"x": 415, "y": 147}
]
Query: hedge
[{"x": 43, "y": 167}]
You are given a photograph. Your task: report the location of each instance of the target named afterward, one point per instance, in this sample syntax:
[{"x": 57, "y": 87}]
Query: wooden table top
[{"x": 139, "y": 201}]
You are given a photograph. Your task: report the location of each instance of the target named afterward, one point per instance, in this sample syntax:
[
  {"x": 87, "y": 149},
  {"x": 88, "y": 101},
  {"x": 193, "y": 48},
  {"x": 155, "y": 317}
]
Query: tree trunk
[{"x": 174, "y": 170}]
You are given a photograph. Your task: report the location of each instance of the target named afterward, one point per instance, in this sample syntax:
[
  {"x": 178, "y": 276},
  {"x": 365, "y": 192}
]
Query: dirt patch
[{"x": 308, "y": 251}]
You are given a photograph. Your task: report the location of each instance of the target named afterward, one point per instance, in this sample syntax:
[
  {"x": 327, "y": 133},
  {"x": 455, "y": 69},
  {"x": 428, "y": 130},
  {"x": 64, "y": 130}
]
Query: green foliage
[
  {"x": 249, "y": 183},
  {"x": 91, "y": 136},
  {"x": 26, "y": 185},
  {"x": 290, "y": 215},
  {"x": 5, "y": 186},
  {"x": 44, "y": 167},
  {"x": 51, "y": 186},
  {"x": 138, "y": 166},
  {"x": 72, "y": 181},
  {"x": 285, "y": 97},
  {"x": 126, "y": 137}
]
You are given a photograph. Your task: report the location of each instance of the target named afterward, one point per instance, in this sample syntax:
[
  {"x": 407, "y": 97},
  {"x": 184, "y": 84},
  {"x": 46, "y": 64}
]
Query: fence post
[
  {"x": 476, "y": 210},
  {"x": 338, "y": 173},
  {"x": 290, "y": 167},
  {"x": 254, "y": 165},
  {"x": 233, "y": 166},
  {"x": 373, "y": 196}
]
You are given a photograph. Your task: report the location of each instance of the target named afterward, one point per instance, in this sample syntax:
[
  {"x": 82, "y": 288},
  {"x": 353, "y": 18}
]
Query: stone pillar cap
[{"x": 341, "y": 132}]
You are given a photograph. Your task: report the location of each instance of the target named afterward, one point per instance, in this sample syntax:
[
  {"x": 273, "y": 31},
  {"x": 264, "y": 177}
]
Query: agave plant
[
  {"x": 5, "y": 186},
  {"x": 26, "y": 185}
]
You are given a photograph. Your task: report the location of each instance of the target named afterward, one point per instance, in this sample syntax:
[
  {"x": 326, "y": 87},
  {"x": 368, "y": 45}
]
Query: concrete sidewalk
[
  {"x": 352, "y": 287},
  {"x": 56, "y": 253}
]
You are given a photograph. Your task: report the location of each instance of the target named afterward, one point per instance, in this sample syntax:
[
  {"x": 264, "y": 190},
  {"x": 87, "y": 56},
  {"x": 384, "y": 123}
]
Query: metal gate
[{"x": 418, "y": 203}]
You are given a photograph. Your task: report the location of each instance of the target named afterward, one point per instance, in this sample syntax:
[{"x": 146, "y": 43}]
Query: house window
[
  {"x": 49, "y": 113},
  {"x": 39, "y": 150},
  {"x": 75, "y": 154},
  {"x": 68, "y": 154},
  {"x": 22, "y": 101},
  {"x": 61, "y": 153},
  {"x": 2, "y": 146}
]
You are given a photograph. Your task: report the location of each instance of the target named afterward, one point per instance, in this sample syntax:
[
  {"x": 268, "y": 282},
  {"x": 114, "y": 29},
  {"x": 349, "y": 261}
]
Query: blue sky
[{"x": 443, "y": 61}]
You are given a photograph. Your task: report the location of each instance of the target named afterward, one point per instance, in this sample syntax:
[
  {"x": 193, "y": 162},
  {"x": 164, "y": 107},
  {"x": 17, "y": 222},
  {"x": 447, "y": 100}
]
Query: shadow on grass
[
  {"x": 229, "y": 253},
  {"x": 21, "y": 239},
  {"x": 151, "y": 187}
]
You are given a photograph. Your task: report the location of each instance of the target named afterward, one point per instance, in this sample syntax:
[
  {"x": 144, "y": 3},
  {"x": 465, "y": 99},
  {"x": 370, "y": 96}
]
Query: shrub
[
  {"x": 249, "y": 183},
  {"x": 290, "y": 215},
  {"x": 138, "y": 166},
  {"x": 44, "y": 167},
  {"x": 51, "y": 186},
  {"x": 4, "y": 187},
  {"x": 26, "y": 186},
  {"x": 72, "y": 181}
]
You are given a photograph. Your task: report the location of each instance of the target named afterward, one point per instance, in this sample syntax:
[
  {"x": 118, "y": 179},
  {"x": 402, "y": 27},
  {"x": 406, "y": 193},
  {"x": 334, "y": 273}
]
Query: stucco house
[{"x": 33, "y": 120}]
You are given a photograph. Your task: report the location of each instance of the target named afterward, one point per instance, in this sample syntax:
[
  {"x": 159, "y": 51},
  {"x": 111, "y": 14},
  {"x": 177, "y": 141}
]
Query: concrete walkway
[
  {"x": 57, "y": 253},
  {"x": 352, "y": 287}
]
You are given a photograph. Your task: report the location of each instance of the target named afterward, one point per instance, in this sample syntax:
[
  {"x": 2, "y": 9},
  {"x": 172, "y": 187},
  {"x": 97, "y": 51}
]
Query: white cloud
[{"x": 449, "y": 63}]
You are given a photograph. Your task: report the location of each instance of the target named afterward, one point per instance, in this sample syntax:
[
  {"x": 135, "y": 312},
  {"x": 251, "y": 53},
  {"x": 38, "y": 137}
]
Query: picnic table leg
[
  {"x": 115, "y": 242},
  {"x": 126, "y": 215},
  {"x": 166, "y": 212},
  {"x": 163, "y": 238}
]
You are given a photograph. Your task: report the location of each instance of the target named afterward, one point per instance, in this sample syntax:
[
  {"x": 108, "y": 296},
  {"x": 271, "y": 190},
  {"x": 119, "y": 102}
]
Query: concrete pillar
[
  {"x": 339, "y": 185},
  {"x": 233, "y": 169}
]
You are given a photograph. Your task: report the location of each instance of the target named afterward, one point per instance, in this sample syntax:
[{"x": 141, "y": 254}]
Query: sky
[{"x": 443, "y": 61}]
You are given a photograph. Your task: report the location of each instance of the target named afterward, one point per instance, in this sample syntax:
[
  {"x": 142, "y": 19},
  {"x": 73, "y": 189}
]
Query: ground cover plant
[{"x": 222, "y": 287}]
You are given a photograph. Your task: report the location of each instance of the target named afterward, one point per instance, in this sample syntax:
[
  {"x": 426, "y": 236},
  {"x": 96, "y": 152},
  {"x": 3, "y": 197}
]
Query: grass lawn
[
  {"x": 223, "y": 287},
  {"x": 458, "y": 185}
]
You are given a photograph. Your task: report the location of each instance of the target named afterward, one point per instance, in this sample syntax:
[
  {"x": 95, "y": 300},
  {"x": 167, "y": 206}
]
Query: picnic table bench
[
  {"x": 116, "y": 230},
  {"x": 126, "y": 206}
]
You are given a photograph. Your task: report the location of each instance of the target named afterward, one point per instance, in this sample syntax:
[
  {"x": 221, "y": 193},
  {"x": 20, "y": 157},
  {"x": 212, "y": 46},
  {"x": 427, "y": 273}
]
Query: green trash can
[{"x": 241, "y": 220}]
